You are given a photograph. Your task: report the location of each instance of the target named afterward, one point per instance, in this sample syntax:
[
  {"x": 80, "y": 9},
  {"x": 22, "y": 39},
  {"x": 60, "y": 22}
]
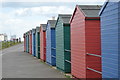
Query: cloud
[
  {"x": 43, "y": 10},
  {"x": 18, "y": 18},
  {"x": 52, "y": 0},
  {"x": 51, "y": 10},
  {"x": 38, "y": 4},
  {"x": 9, "y": 24},
  {"x": 14, "y": 25},
  {"x": 13, "y": 21},
  {"x": 22, "y": 12}
]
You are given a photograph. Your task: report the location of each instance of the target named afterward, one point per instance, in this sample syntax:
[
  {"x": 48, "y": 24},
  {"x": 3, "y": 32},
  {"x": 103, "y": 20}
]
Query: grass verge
[{"x": 7, "y": 44}]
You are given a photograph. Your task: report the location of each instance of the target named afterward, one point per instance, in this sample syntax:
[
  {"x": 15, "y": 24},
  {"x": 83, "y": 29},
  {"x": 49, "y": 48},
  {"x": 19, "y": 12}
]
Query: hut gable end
[{"x": 77, "y": 11}]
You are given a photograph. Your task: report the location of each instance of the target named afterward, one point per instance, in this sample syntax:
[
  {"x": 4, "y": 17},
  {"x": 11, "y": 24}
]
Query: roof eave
[
  {"x": 103, "y": 7},
  {"x": 92, "y": 18},
  {"x": 56, "y": 21},
  {"x": 73, "y": 14},
  {"x": 52, "y": 27},
  {"x": 66, "y": 24}
]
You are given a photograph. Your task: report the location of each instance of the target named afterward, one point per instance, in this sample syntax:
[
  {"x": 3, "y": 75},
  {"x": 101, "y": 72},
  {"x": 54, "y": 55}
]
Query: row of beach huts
[{"x": 85, "y": 43}]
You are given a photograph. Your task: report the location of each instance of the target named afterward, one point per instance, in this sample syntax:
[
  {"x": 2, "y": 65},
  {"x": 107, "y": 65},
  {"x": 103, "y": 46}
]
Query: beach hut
[
  {"x": 38, "y": 42},
  {"x": 86, "y": 42},
  {"x": 27, "y": 42},
  {"x": 63, "y": 43},
  {"x": 50, "y": 43},
  {"x": 43, "y": 42},
  {"x": 110, "y": 27},
  {"x": 33, "y": 42},
  {"x": 24, "y": 36},
  {"x": 30, "y": 41}
]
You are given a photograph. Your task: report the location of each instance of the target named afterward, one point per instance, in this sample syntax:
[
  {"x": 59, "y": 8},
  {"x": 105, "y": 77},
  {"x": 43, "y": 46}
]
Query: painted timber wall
[
  {"x": 33, "y": 42},
  {"x": 27, "y": 43},
  {"x": 24, "y": 42},
  {"x": 85, "y": 42},
  {"x": 30, "y": 41},
  {"x": 38, "y": 42},
  {"x": 43, "y": 43},
  {"x": 53, "y": 47},
  {"x": 50, "y": 45},
  {"x": 110, "y": 26},
  {"x": 78, "y": 45},
  {"x": 93, "y": 46},
  {"x": 62, "y": 43},
  {"x": 119, "y": 38}
]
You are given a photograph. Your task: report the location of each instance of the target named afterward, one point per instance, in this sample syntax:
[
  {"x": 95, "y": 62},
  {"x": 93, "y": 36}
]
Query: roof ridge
[
  {"x": 51, "y": 20},
  {"x": 65, "y": 18},
  {"x": 52, "y": 23}
]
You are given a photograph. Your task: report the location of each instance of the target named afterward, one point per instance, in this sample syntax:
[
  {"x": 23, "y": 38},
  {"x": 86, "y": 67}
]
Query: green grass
[
  {"x": 6, "y": 44},
  {"x": 67, "y": 76}
]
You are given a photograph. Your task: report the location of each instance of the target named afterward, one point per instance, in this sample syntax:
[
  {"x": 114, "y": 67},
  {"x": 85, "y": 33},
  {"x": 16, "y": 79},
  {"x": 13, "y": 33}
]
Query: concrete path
[{"x": 18, "y": 64}]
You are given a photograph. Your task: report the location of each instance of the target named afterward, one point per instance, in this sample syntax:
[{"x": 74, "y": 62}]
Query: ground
[{"x": 18, "y": 64}]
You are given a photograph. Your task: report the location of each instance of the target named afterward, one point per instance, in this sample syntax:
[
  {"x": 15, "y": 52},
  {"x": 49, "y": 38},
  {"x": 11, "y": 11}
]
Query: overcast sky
[{"x": 19, "y": 16}]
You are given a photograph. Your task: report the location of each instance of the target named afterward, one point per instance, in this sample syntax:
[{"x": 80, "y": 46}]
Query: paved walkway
[{"x": 18, "y": 64}]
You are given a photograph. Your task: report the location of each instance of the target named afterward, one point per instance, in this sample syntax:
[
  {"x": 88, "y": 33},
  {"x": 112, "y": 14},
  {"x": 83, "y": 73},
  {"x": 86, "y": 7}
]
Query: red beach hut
[
  {"x": 85, "y": 42},
  {"x": 30, "y": 41},
  {"x": 43, "y": 42},
  {"x": 24, "y": 36}
]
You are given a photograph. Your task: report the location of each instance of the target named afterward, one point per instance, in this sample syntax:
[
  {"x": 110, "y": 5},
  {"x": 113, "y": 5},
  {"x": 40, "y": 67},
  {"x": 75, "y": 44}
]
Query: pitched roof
[
  {"x": 33, "y": 30},
  {"x": 43, "y": 26},
  {"x": 52, "y": 23},
  {"x": 37, "y": 29},
  {"x": 90, "y": 10},
  {"x": 30, "y": 31},
  {"x": 105, "y": 4},
  {"x": 27, "y": 33},
  {"x": 65, "y": 18}
]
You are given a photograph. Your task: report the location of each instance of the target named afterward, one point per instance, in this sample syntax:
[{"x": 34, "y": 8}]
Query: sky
[{"x": 20, "y": 16}]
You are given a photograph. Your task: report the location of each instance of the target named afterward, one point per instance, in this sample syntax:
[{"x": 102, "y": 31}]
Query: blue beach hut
[
  {"x": 110, "y": 27},
  {"x": 50, "y": 43}
]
